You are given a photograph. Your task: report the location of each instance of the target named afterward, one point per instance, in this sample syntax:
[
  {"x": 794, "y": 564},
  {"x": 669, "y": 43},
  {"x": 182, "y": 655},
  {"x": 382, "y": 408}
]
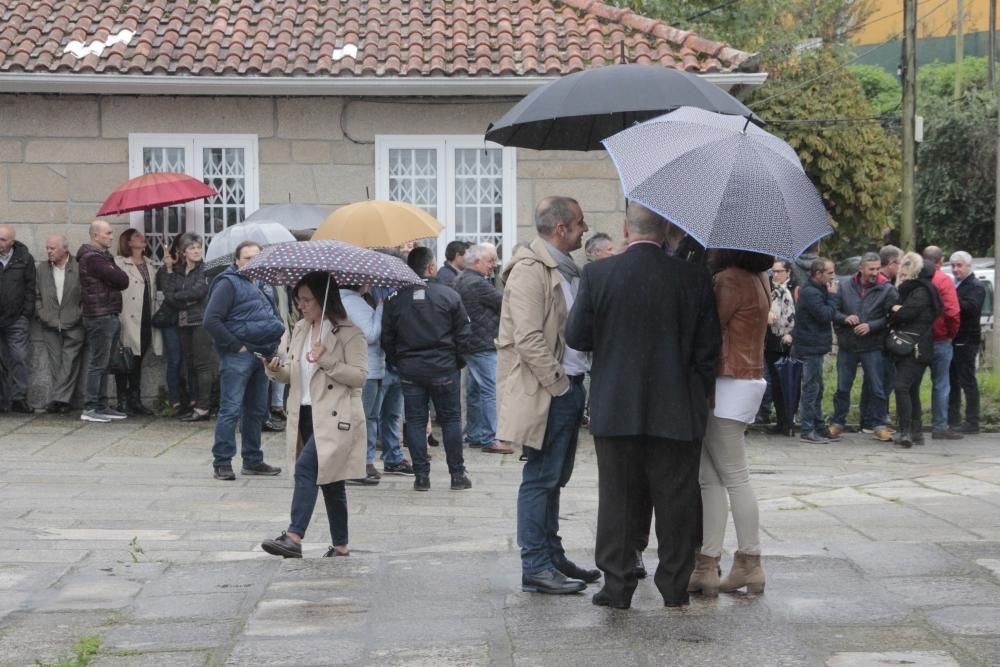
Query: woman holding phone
[{"x": 326, "y": 369}]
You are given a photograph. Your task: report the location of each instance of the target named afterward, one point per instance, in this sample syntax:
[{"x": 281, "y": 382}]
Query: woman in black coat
[{"x": 919, "y": 305}]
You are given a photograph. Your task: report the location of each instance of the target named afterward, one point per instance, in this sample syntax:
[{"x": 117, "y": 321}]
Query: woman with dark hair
[
  {"x": 326, "y": 369},
  {"x": 187, "y": 293},
  {"x": 913, "y": 317},
  {"x": 743, "y": 299},
  {"x": 165, "y": 319},
  {"x": 778, "y": 341},
  {"x": 137, "y": 333}
]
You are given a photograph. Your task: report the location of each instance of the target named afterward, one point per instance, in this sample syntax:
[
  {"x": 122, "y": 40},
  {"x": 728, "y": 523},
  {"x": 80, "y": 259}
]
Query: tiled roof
[{"x": 305, "y": 38}]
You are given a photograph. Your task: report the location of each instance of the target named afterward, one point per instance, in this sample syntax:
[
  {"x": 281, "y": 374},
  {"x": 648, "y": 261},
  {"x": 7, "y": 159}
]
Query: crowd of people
[{"x": 682, "y": 348}]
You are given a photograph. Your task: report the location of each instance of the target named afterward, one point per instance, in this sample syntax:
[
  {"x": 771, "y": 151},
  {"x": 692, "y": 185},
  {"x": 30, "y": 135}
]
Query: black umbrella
[{"x": 578, "y": 111}]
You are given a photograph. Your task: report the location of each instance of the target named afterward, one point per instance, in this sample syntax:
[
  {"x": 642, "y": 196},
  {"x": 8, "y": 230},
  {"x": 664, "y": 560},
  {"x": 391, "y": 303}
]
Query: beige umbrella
[{"x": 378, "y": 224}]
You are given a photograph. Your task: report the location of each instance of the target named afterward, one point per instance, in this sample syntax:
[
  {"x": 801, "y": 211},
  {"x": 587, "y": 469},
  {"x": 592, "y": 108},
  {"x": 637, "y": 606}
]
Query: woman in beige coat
[
  {"x": 138, "y": 303},
  {"x": 327, "y": 367}
]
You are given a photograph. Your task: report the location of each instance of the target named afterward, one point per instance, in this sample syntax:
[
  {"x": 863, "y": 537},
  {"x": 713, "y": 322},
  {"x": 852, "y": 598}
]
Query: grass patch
[{"x": 83, "y": 653}]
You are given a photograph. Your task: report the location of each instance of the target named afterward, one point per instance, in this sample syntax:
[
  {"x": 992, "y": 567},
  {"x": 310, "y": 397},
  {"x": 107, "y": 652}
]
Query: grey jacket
[
  {"x": 51, "y": 313},
  {"x": 872, "y": 308}
]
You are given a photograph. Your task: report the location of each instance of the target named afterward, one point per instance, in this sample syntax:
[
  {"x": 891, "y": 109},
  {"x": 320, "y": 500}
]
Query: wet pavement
[{"x": 117, "y": 535}]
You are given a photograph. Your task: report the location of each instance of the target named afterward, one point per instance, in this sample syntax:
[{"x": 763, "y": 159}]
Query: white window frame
[
  {"x": 194, "y": 145},
  {"x": 445, "y": 145}
]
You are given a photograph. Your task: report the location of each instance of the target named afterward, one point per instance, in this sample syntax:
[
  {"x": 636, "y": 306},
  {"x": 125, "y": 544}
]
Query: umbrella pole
[{"x": 326, "y": 295}]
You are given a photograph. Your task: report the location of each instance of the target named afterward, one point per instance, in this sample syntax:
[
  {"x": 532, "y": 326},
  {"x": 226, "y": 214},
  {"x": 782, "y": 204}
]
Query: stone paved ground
[{"x": 874, "y": 556}]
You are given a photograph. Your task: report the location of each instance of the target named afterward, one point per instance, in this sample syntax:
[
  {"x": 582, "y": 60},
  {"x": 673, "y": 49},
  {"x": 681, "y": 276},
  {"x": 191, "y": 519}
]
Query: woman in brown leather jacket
[{"x": 743, "y": 300}]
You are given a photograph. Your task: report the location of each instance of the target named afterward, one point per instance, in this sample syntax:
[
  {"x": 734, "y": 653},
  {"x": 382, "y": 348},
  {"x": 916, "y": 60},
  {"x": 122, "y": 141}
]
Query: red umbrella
[{"x": 153, "y": 191}]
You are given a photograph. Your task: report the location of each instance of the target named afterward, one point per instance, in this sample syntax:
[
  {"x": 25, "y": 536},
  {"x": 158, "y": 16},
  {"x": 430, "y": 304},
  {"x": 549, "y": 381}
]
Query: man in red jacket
[{"x": 945, "y": 330}]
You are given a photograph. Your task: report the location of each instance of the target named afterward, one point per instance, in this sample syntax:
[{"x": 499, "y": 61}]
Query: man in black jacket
[
  {"x": 425, "y": 334},
  {"x": 650, "y": 321},
  {"x": 17, "y": 306},
  {"x": 860, "y": 322},
  {"x": 971, "y": 296},
  {"x": 454, "y": 264},
  {"x": 815, "y": 311},
  {"x": 482, "y": 302}
]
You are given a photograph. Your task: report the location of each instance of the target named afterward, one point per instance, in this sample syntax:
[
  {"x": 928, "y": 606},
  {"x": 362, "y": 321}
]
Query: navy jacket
[
  {"x": 482, "y": 302},
  {"x": 814, "y": 314},
  {"x": 446, "y": 274},
  {"x": 239, "y": 315}
]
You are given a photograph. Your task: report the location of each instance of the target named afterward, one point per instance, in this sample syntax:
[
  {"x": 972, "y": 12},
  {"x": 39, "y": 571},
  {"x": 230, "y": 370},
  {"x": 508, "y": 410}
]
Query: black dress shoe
[
  {"x": 639, "y": 568},
  {"x": 422, "y": 482},
  {"x": 283, "y": 546},
  {"x": 54, "y": 408},
  {"x": 604, "y": 599},
  {"x": 574, "y": 571},
  {"x": 683, "y": 602},
  {"x": 273, "y": 426},
  {"x": 22, "y": 407},
  {"x": 261, "y": 469},
  {"x": 137, "y": 408},
  {"x": 551, "y": 582}
]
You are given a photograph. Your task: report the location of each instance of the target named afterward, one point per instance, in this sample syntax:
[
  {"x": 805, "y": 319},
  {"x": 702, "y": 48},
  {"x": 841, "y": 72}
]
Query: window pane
[
  {"x": 479, "y": 195},
  {"x": 162, "y": 224},
  {"x": 225, "y": 170},
  {"x": 413, "y": 177}
]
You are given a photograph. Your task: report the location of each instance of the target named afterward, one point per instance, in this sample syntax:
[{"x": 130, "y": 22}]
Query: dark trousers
[
  {"x": 445, "y": 392},
  {"x": 784, "y": 420},
  {"x": 909, "y": 374},
  {"x": 199, "y": 360},
  {"x": 668, "y": 471},
  {"x": 129, "y": 385},
  {"x": 102, "y": 334},
  {"x": 306, "y": 491},
  {"x": 63, "y": 348},
  {"x": 545, "y": 473},
  {"x": 15, "y": 350},
  {"x": 963, "y": 379},
  {"x": 870, "y": 417}
]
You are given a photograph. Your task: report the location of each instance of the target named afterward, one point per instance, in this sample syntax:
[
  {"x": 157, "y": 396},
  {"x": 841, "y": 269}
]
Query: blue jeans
[
  {"x": 847, "y": 367},
  {"x": 941, "y": 380},
  {"x": 546, "y": 471},
  {"x": 445, "y": 391},
  {"x": 391, "y": 414},
  {"x": 15, "y": 351},
  {"x": 304, "y": 496},
  {"x": 243, "y": 398},
  {"x": 869, "y": 416},
  {"x": 371, "y": 399},
  {"x": 481, "y": 398},
  {"x": 172, "y": 352},
  {"x": 102, "y": 334},
  {"x": 811, "y": 407}
]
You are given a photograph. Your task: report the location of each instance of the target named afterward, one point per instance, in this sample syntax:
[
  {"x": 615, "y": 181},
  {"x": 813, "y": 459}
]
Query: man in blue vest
[{"x": 242, "y": 321}]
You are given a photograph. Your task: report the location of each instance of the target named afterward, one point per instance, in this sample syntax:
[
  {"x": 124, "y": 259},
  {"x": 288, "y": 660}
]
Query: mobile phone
[{"x": 261, "y": 357}]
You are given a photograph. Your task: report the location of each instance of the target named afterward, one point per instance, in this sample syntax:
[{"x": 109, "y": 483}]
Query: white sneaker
[
  {"x": 867, "y": 430},
  {"x": 111, "y": 413},
  {"x": 94, "y": 416}
]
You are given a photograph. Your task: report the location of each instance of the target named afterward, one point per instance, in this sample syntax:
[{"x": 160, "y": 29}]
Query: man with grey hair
[
  {"x": 945, "y": 329},
  {"x": 541, "y": 392},
  {"x": 889, "y": 256},
  {"x": 482, "y": 302},
  {"x": 860, "y": 321},
  {"x": 101, "y": 285},
  {"x": 971, "y": 296},
  {"x": 650, "y": 321},
  {"x": 58, "y": 309},
  {"x": 17, "y": 306},
  {"x": 599, "y": 246}
]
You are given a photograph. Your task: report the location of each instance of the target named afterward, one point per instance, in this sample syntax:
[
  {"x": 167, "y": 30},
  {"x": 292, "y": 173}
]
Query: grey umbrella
[
  {"x": 578, "y": 111},
  {"x": 726, "y": 182},
  {"x": 291, "y": 216}
]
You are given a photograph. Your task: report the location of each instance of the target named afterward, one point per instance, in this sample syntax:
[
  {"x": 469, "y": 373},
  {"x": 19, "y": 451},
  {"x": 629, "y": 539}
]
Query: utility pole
[
  {"x": 909, "y": 119},
  {"x": 959, "y": 49},
  {"x": 995, "y": 337},
  {"x": 991, "y": 58}
]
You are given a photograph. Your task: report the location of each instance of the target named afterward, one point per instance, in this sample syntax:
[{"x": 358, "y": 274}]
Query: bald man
[
  {"x": 58, "y": 308},
  {"x": 101, "y": 285},
  {"x": 17, "y": 306}
]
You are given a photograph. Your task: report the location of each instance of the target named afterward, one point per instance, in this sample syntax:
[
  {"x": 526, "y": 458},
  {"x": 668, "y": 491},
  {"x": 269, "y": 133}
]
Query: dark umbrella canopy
[
  {"x": 578, "y": 111},
  {"x": 287, "y": 263}
]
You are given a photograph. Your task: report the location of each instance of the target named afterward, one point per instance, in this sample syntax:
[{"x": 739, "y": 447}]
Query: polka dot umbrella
[{"x": 286, "y": 264}]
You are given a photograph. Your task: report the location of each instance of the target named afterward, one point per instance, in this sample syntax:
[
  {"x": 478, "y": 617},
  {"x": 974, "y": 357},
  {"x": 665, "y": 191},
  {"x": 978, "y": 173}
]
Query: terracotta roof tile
[{"x": 393, "y": 38}]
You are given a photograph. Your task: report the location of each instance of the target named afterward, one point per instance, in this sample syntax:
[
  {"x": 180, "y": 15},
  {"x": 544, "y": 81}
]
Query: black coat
[
  {"x": 872, "y": 309},
  {"x": 650, "y": 321},
  {"x": 920, "y": 304},
  {"x": 17, "y": 286},
  {"x": 814, "y": 313},
  {"x": 482, "y": 302},
  {"x": 446, "y": 274},
  {"x": 425, "y": 331},
  {"x": 187, "y": 293},
  {"x": 971, "y": 296}
]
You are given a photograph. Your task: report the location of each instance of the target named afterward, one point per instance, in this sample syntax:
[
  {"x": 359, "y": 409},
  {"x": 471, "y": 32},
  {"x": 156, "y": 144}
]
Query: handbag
[
  {"x": 164, "y": 317},
  {"x": 901, "y": 343},
  {"x": 122, "y": 361}
]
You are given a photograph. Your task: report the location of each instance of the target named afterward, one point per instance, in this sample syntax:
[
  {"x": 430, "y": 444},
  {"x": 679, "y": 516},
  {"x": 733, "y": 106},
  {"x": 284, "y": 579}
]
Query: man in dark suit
[{"x": 651, "y": 323}]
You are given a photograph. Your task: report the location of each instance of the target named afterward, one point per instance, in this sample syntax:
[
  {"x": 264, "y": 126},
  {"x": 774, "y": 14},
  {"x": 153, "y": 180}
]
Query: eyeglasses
[{"x": 779, "y": 270}]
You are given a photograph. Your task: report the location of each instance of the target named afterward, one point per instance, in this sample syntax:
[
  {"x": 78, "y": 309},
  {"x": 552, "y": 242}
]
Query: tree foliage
[{"x": 882, "y": 89}]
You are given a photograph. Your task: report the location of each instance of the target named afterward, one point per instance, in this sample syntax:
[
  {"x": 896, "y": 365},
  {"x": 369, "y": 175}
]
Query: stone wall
[{"x": 60, "y": 156}]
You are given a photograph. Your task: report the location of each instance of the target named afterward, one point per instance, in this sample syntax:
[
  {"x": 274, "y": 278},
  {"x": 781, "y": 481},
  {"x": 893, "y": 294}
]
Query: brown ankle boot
[
  {"x": 705, "y": 578},
  {"x": 747, "y": 572}
]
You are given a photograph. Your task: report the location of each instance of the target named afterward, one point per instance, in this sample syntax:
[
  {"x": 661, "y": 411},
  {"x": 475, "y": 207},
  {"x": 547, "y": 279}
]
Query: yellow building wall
[{"x": 886, "y": 21}]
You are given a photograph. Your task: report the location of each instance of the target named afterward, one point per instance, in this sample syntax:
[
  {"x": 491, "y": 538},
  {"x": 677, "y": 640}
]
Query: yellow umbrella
[{"x": 378, "y": 224}]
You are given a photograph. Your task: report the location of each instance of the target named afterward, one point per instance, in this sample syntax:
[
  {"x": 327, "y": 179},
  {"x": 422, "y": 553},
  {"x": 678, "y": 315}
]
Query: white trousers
[{"x": 724, "y": 471}]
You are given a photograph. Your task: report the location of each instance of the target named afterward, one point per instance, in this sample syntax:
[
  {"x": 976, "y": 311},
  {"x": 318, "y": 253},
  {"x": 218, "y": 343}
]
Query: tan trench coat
[
  {"x": 530, "y": 346},
  {"x": 335, "y": 390},
  {"x": 131, "y": 315}
]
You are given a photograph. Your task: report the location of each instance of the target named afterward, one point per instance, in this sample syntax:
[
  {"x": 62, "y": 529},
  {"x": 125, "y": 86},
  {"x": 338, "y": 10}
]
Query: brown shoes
[
  {"x": 746, "y": 571},
  {"x": 705, "y": 578},
  {"x": 497, "y": 448}
]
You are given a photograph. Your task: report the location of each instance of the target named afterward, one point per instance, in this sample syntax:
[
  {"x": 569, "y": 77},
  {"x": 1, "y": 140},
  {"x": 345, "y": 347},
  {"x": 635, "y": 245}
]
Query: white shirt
[
  {"x": 738, "y": 399},
  {"x": 309, "y": 367},
  {"x": 574, "y": 361},
  {"x": 59, "y": 275}
]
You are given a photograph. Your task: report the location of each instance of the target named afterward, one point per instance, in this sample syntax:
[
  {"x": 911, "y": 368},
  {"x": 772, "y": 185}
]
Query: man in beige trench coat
[{"x": 540, "y": 395}]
